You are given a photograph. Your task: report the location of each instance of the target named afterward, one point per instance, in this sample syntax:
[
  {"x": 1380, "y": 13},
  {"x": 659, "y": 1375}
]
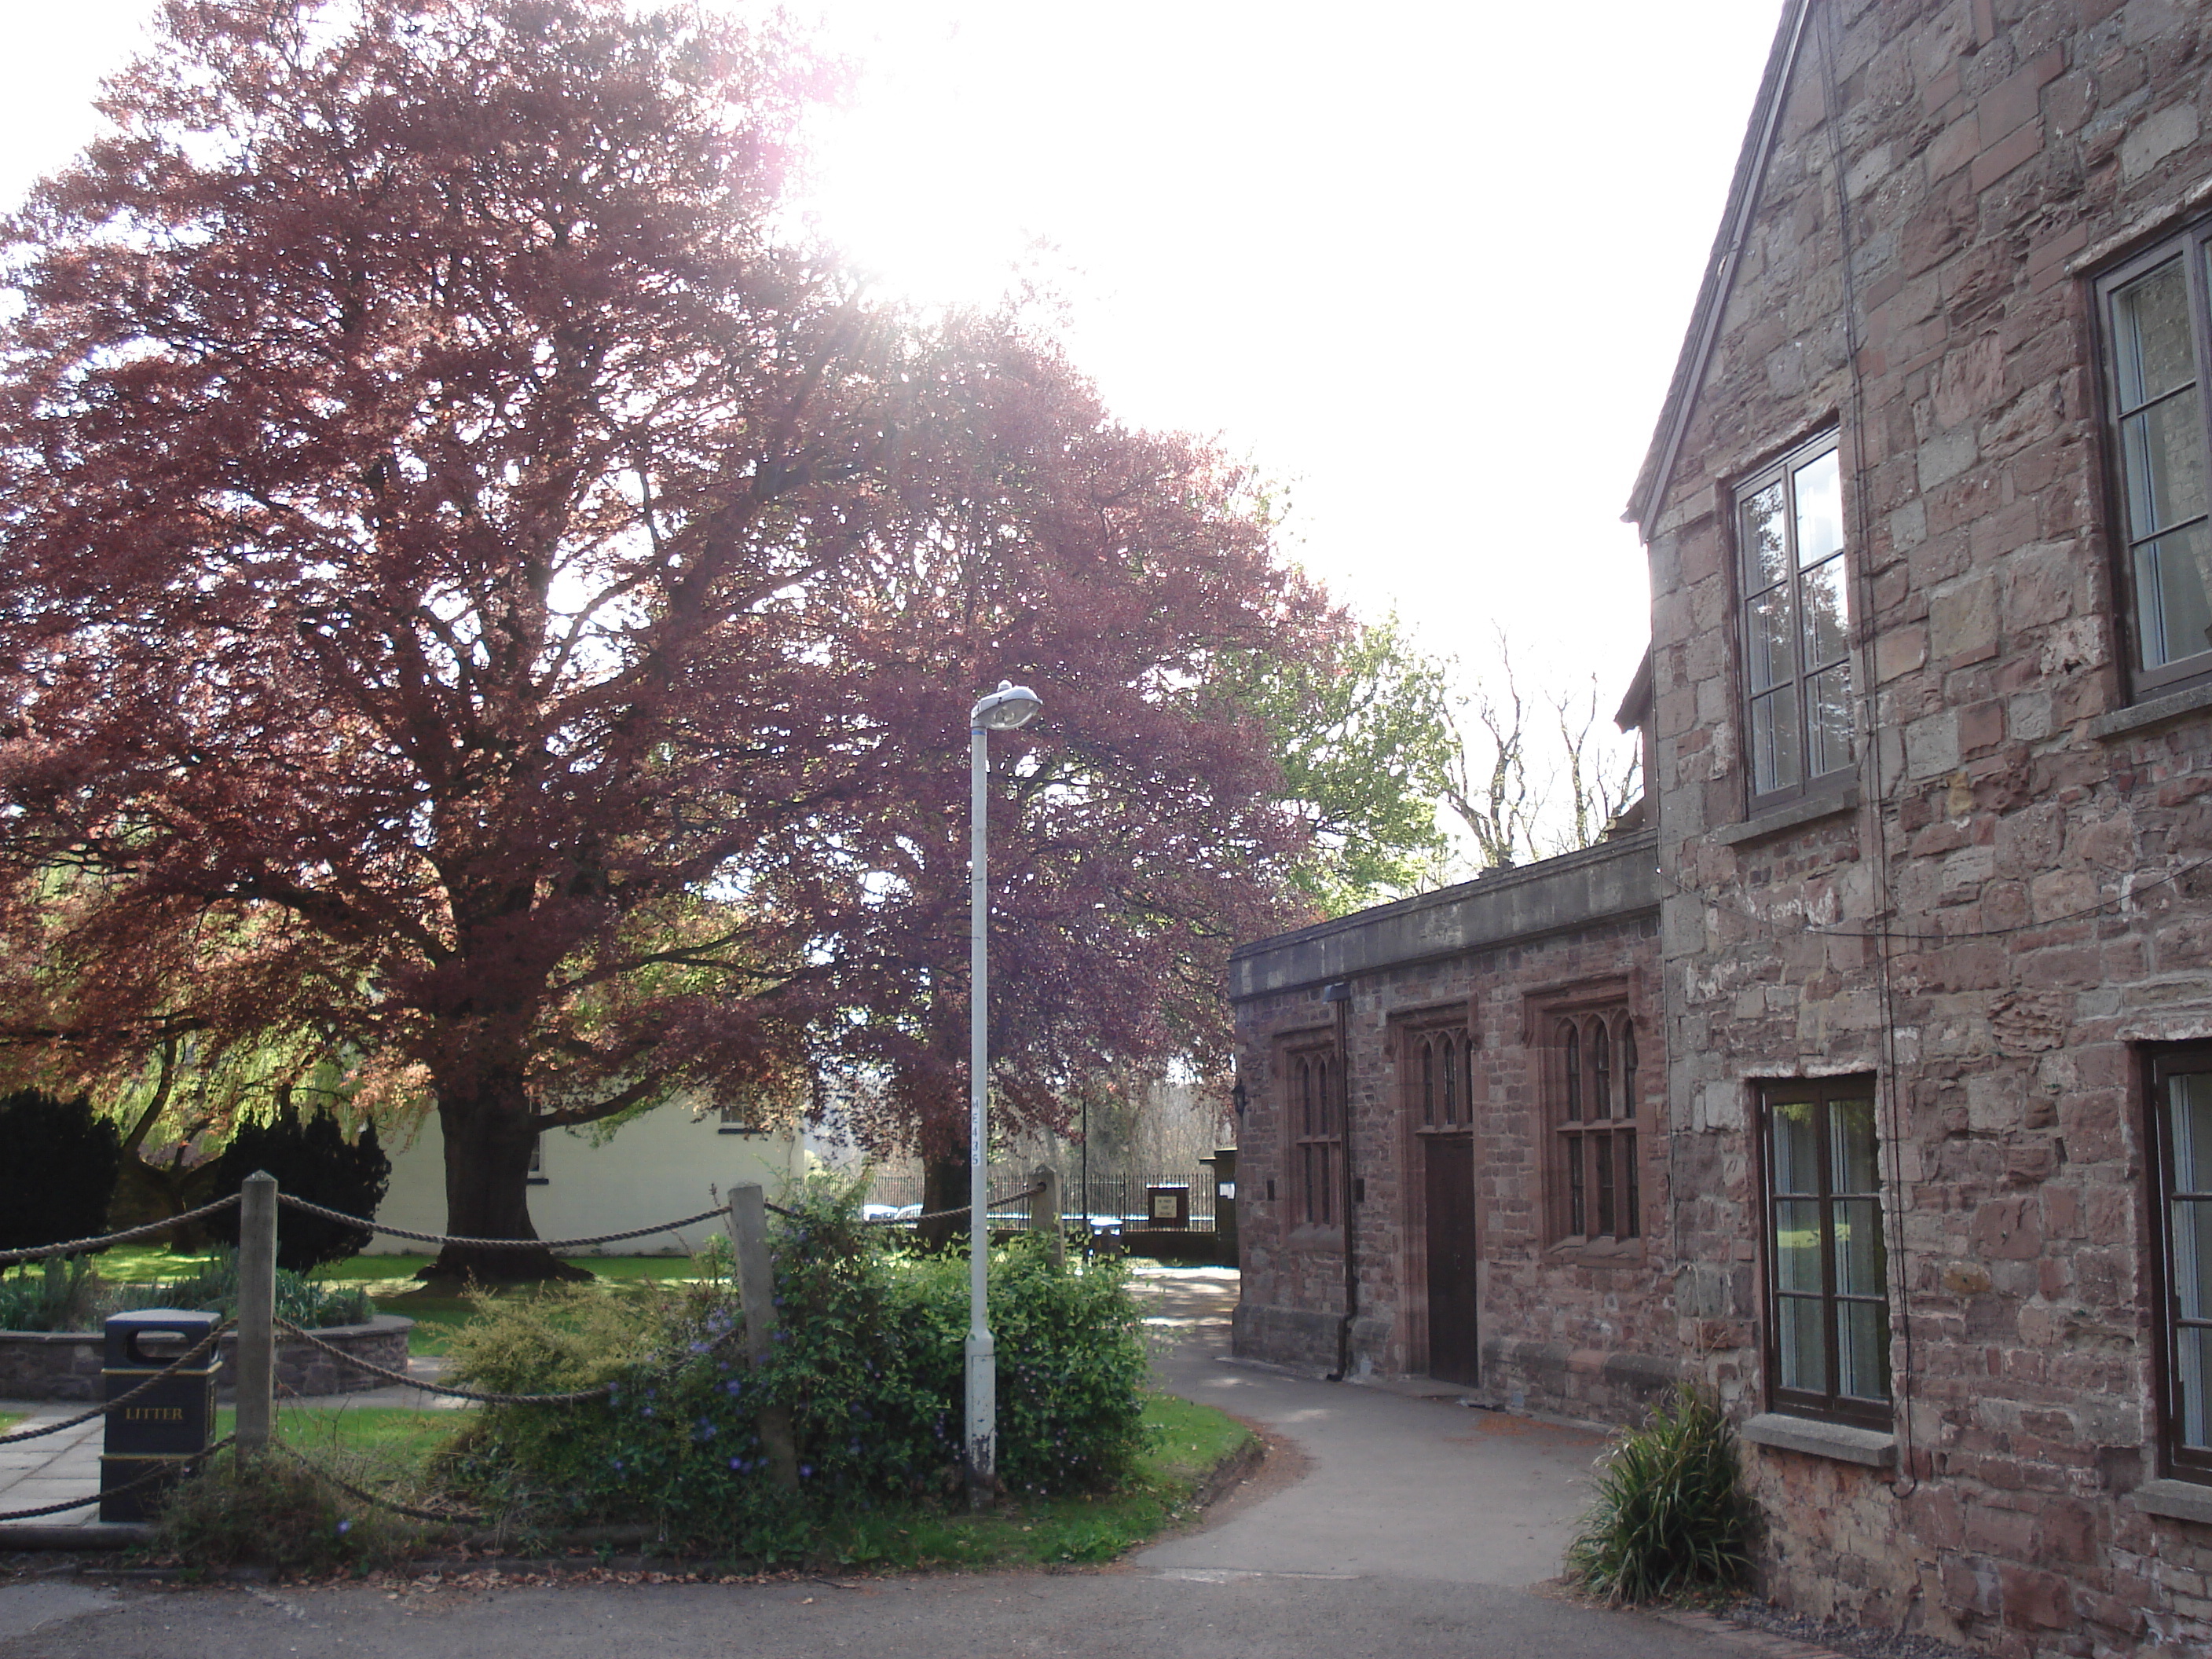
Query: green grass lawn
[
  {"x": 388, "y": 1434},
  {"x": 1189, "y": 1442},
  {"x": 8, "y": 1420}
]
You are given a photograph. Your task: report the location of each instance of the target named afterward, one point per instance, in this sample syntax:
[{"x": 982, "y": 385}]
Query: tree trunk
[
  {"x": 943, "y": 1186},
  {"x": 489, "y": 1139}
]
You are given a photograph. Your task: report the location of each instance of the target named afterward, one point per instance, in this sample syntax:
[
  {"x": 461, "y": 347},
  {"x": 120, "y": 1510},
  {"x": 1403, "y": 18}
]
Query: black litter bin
[{"x": 161, "y": 1430}]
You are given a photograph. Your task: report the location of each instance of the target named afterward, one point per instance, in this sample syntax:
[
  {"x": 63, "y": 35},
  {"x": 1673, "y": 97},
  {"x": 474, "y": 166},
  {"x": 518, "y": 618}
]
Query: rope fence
[
  {"x": 164, "y": 1472},
  {"x": 443, "y": 1239},
  {"x": 101, "y": 1410},
  {"x": 87, "y": 1246},
  {"x": 257, "y": 1242},
  {"x": 450, "y": 1517}
]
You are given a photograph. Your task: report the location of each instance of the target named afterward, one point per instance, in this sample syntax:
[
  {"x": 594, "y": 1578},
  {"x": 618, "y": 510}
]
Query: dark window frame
[
  {"x": 2191, "y": 243},
  {"x": 1313, "y": 1116},
  {"x": 1437, "y": 1072},
  {"x": 2160, "y": 1065},
  {"x": 1596, "y": 1151},
  {"x": 1830, "y": 1404},
  {"x": 1782, "y": 470}
]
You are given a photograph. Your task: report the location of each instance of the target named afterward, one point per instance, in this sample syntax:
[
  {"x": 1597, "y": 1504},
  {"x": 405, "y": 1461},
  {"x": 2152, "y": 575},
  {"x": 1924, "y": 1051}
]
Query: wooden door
[{"x": 1455, "y": 1351}]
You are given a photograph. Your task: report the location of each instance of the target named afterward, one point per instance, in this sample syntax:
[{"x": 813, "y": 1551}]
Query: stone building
[{"x": 1926, "y": 1025}]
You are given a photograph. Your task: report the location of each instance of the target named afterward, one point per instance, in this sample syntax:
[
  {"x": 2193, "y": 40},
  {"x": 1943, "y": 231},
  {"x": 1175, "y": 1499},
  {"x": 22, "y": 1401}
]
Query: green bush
[
  {"x": 314, "y": 1160},
  {"x": 60, "y": 1171},
  {"x": 1669, "y": 1517},
  {"x": 54, "y": 1295},
  {"x": 868, "y": 1360}
]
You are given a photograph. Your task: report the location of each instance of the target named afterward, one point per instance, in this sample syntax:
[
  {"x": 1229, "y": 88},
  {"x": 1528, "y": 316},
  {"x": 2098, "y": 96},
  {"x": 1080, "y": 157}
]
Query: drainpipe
[{"x": 1340, "y": 994}]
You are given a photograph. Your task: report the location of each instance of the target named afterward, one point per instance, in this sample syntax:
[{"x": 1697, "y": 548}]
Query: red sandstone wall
[
  {"x": 1588, "y": 1332},
  {"x": 1988, "y": 149}
]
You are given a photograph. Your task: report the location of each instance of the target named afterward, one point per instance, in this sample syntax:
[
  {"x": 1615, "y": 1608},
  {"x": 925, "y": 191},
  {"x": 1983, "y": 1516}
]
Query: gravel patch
[{"x": 1854, "y": 1640}]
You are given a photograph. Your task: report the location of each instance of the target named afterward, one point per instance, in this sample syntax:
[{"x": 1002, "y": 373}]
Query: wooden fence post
[
  {"x": 257, "y": 1311},
  {"x": 757, "y": 1292},
  {"x": 1044, "y": 1212}
]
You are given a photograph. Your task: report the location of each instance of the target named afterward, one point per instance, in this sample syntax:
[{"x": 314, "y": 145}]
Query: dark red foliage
[{"x": 482, "y": 603}]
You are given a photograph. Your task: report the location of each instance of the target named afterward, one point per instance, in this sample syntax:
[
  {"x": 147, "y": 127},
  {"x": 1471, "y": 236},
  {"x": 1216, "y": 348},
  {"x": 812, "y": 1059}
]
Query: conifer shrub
[
  {"x": 868, "y": 1359},
  {"x": 1669, "y": 1518},
  {"x": 312, "y": 1160},
  {"x": 59, "y": 1163}
]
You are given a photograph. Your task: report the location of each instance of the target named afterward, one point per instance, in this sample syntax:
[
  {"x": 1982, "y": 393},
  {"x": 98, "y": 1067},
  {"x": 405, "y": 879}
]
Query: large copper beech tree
[{"x": 485, "y": 601}]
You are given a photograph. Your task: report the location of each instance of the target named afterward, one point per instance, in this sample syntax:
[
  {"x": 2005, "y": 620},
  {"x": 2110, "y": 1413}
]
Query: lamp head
[{"x": 1008, "y": 707}]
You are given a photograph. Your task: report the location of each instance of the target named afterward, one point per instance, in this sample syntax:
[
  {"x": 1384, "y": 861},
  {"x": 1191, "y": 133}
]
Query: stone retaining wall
[{"x": 65, "y": 1365}]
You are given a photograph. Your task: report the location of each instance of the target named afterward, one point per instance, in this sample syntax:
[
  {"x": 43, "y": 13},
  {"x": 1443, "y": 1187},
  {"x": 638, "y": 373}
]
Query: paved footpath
[{"x": 1386, "y": 1526}]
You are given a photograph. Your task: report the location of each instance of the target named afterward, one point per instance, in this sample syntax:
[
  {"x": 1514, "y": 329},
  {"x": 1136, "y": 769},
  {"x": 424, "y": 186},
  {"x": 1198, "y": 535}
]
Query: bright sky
[{"x": 1428, "y": 262}]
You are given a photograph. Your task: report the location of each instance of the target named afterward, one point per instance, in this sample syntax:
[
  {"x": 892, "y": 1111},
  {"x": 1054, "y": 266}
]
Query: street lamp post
[{"x": 1008, "y": 707}]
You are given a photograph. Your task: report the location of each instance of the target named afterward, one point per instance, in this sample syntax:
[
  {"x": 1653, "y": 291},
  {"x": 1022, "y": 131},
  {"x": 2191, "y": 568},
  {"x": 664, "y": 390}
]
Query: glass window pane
[
  {"x": 1797, "y": 1245},
  {"x": 1601, "y": 1094},
  {"x": 1631, "y": 1189},
  {"x": 1601, "y": 1165},
  {"x": 2192, "y": 1255},
  {"x": 2172, "y": 576},
  {"x": 2189, "y": 1101},
  {"x": 1796, "y": 1149},
  {"x": 1820, "y": 509},
  {"x": 1766, "y": 544},
  {"x": 1802, "y": 1351},
  {"x": 1769, "y": 653},
  {"x": 1829, "y": 735},
  {"x": 2162, "y": 453},
  {"x": 1775, "y": 763},
  {"x": 1578, "y": 1219},
  {"x": 2150, "y": 319},
  {"x": 1451, "y": 1081},
  {"x": 1574, "y": 1063},
  {"x": 1859, "y": 1251},
  {"x": 2193, "y": 1367},
  {"x": 1628, "y": 1071},
  {"x": 1827, "y": 614},
  {"x": 1428, "y": 1082},
  {"x": 1861, "y": 1333},
  {"x": 1852, "y": 1148}
]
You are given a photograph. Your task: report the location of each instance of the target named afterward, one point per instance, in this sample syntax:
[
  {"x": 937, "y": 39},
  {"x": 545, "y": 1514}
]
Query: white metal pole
[{"x": 982, "y": 1354}]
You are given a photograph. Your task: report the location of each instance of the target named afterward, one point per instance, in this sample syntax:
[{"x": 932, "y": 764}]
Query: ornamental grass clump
[
  {"x": 868, "y": 1360},
  {"x": 1669, "y": 1518}
]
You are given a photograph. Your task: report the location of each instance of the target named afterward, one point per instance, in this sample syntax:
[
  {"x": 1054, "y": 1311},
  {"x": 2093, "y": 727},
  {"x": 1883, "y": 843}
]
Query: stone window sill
[
  {"x": 1815, "y": 1438},
  {"x": 2123, "y": 722},
  {"x": 1827, "y": 804},
  {"x": 2178, "y": 1500}
]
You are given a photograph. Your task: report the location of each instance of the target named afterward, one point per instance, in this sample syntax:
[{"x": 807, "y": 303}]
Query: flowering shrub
[{"x": 867, "y": 1359}]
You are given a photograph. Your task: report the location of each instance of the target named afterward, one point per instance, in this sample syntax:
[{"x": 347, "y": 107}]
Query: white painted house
[{"x": 666, "y": 1163}]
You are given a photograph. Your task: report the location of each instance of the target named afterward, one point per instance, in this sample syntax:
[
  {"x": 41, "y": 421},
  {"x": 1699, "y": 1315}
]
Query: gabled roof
[
  {"x": 1720, "y": 268},
  {"x": 1636, "y": 702}
]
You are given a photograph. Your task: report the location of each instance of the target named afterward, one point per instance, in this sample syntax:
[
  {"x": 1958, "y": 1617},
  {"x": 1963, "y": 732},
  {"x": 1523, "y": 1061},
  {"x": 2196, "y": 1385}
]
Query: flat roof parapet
[{"x": 1613, "y": 881}]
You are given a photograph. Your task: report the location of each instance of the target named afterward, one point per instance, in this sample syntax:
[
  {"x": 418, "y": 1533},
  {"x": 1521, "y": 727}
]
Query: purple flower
[{"x": 345, "y": 1526}]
